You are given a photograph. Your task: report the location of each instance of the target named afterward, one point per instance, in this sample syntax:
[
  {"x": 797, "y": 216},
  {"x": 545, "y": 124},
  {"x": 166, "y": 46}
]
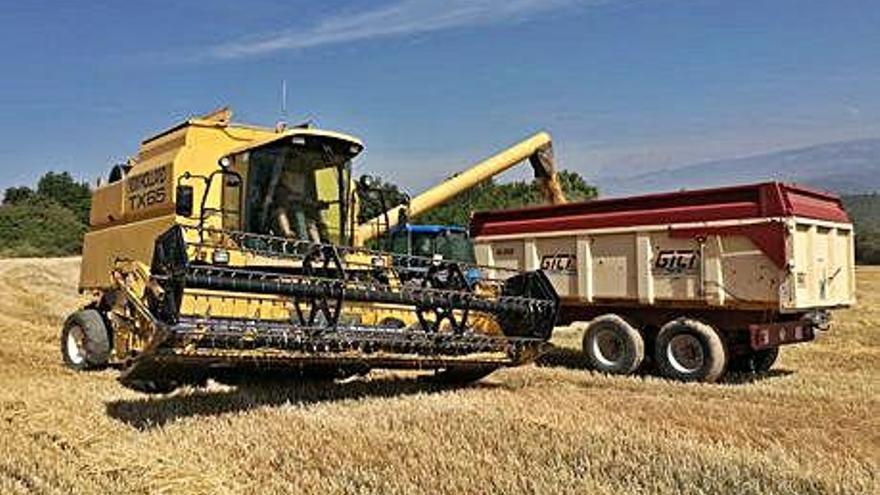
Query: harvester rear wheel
[
  {"x": 613, "y": 346},
  {"x": 755, "y": 362},
  {"x": 689, "y": 350},
  {"x": 85, "y": 341}
]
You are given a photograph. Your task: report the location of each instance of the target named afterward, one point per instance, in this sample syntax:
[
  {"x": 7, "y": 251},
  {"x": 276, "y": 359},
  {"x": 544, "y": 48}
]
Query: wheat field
[{"x": 810, "y": 426}]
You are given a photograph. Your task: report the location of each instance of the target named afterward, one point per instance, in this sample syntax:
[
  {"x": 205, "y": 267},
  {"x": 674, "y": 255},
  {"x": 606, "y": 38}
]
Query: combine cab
[{"x": 231, "y": 252}]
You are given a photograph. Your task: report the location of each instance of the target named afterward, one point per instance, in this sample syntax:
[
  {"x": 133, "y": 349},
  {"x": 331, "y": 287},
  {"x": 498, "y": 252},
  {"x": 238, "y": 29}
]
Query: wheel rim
[
  {"x": 608, "y": 347},
  {"x": 75, "y": 347},
  {"x": 685, "y": 353}
]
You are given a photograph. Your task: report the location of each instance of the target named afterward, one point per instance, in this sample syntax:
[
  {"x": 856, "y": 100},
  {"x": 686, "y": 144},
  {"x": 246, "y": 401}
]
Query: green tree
[
  {"x": 371, "y": 200},
  {"x": 15, "y": 195},
  {"x": 64, "y": 190},
  {"x": 864, "y": 210},
  {"x": 39, "y": 227}
]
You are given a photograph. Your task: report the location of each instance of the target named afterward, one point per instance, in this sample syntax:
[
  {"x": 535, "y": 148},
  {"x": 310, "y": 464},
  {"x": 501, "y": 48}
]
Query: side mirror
[{"x": 184, "y": 204}]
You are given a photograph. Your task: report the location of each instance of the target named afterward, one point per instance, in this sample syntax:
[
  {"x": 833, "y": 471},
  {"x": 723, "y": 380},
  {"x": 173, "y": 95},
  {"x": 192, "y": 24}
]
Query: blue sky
[{"x": 624, "y": 86}]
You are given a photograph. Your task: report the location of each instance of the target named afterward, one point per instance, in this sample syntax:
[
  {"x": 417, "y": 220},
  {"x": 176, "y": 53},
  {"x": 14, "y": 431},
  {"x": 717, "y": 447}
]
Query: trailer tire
[
  {"x": 85, "y": 341},
  {"x": 755, "y": 361},
  {"x": 690, "y": 350},
  {"x": 613, "y": 346}
]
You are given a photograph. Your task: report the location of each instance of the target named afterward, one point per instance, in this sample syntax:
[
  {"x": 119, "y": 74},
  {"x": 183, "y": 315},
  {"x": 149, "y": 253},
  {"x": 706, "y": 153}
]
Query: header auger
[{"x": 231, "y": 252}]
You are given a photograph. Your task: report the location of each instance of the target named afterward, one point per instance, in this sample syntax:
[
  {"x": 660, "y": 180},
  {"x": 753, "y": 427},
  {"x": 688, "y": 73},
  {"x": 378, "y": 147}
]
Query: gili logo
[{"x": 675, "y": 262}]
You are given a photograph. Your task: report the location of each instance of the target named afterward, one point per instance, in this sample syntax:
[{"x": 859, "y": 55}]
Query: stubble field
[{"x": 810, "y": 426}]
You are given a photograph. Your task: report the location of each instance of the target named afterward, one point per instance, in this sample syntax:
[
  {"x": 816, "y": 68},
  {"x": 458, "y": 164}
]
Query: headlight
[
  {"x": 220, "y": 257},
  {"x": 378, "y": 262}
]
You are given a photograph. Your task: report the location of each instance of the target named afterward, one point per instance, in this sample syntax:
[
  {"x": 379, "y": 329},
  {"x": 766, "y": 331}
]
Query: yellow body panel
[{"x": 131, "y": 241}]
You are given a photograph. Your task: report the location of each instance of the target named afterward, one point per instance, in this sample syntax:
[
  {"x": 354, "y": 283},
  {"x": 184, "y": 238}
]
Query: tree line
[
  {"x": 489, "y": 195},
  {"x": 864, "y": 210},
  {"x": 51, "y": 218}
]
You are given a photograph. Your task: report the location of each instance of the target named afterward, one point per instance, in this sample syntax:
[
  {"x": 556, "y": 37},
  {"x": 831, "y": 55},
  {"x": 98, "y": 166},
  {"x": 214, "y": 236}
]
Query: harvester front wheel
[
  {"x": 690, "y": 350},
  {"x": 613, "y": 346},
  {"x": 85, "y": 341}
]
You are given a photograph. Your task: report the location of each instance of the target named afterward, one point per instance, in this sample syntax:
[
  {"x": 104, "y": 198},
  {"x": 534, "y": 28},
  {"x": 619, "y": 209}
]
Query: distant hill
[{"x": 845, "y": 167}]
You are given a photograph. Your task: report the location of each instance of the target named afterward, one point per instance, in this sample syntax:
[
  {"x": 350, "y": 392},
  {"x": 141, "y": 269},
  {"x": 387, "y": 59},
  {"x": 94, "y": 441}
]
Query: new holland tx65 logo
[
  {"x": 676, "y": 262},
  {"x": 148, "y": 188}
]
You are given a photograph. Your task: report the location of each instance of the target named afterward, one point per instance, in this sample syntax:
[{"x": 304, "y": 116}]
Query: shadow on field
[
  {"x": 565, "y": 357},
  {"x": 747, "y": 378},
  {"x": 150, "y": 412}
]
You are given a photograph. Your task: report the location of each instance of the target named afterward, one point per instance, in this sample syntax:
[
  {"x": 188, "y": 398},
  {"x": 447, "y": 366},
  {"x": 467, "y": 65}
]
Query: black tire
[
  {"x": 691, "y": 351},
  {"x": 85, "y": 341},
  {"x": 613, "y": 346},
  {"x": 460, "y": 375},
  {"x": 755, "y": 362}
]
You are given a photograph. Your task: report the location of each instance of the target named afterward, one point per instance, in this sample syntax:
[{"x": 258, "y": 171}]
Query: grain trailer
[{"x": 699, "y": 281}]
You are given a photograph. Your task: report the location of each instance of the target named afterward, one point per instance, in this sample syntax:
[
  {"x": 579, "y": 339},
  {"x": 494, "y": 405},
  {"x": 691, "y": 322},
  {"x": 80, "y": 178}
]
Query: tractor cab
[
  {"x": 450, "y": 242},
  {"x": 437, "y": 242}
]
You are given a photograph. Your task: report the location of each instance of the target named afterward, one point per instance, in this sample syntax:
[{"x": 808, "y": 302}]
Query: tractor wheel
[
  {"x": 755, "y": 362},
  {"x": 455, "y": 375},
  {"x": 85, "y": 341},
  {"x": 690, "y": 350},
  {"x": 613, "y": 346}
]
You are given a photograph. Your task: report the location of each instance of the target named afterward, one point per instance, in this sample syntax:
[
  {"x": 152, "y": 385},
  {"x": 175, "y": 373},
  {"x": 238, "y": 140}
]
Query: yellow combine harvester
[{"x": 230, "y": 252}]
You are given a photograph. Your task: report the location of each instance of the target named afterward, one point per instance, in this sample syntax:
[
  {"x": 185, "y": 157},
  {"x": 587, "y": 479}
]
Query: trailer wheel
[
  {"x": 85, "y": 341},
  {"x": 690, "y": 350},
  {"x": 613, "y": 346},
  {"x": 755, "y": 362}
]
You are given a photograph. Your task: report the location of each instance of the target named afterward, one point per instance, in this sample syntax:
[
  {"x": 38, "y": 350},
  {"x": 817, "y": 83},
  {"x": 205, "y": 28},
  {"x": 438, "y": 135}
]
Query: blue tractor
[{"x": 449, "y": 242}]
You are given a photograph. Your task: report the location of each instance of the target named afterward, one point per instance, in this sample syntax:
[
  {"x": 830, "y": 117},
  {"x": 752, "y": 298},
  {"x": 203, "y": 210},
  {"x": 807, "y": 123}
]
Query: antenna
[
  {"x": 284, "y": 98},
  {"x": 282, "y": 121}
]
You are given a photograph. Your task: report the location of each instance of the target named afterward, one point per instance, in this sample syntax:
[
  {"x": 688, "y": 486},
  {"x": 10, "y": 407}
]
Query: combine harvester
[
  {"x": 703, "y": 281},
  {"x": 232, "y": 252}
]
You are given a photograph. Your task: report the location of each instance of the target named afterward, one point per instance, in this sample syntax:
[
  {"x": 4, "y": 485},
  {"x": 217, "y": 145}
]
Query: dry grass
[{"x": 810, "y": 427}]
